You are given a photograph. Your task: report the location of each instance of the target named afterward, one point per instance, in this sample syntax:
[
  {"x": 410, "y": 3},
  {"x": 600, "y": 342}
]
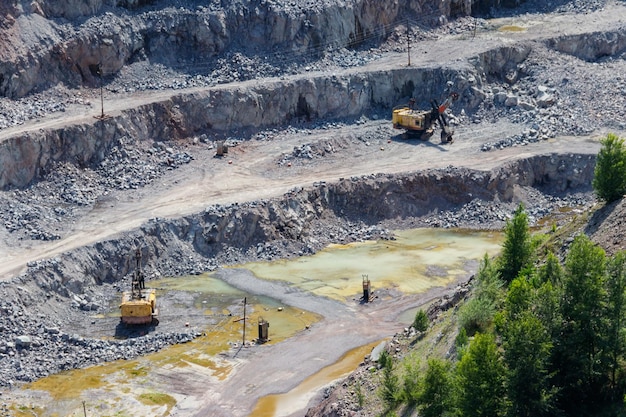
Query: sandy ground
[{"x": 254, "y": 174}]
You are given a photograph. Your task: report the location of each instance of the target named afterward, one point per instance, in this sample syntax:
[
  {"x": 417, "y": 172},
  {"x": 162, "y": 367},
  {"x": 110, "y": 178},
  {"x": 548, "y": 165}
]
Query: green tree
[
  {"x": 461, "y": 342},
  {"x": 481, "y": 376},
  {"x": 518, "y": 298},
  {"x": 420, "y": 323},
  {"x": 616, "y": 313},
  {"x": 582, "y": 364},
  {"x": 547, "y": 308},
  {"x": 609, "y": 181},
  {"x": 551, "y": 271},
  {"x": 516, "y": 249},
  {"x": 527, "y": 347},
  {"x": 385, "y": 359},
  {"x": 437, "y": 397},
  {"x": 412, "y": 385},
  {"x": 476, "y": 315},
  {"x": 390, "y": 391}
]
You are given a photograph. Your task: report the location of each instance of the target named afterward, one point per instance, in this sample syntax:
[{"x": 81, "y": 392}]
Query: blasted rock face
[{"x": 72, "y": 42}]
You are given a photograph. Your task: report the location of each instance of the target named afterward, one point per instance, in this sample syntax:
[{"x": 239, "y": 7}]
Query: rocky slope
[
  {"x": 64, "y": 163},
  {"x": 54, "y": 295},
  {"x": 70, "y": 42}
]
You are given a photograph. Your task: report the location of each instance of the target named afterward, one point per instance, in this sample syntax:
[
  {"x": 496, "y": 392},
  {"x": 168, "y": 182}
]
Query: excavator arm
[
  {"x": 438, "y": 113},
  {"x": 452, "y": 97}
]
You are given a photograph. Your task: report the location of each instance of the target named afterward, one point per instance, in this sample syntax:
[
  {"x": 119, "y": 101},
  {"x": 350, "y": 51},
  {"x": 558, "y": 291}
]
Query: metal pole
[
  {"x": 244, "y": 322},
  {"x": 408, "y": 42},
  {"x": 84, "y": 409}
]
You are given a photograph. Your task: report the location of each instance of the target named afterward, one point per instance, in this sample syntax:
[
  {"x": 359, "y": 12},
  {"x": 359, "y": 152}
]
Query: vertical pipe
[{"x": 244, "y": 322}]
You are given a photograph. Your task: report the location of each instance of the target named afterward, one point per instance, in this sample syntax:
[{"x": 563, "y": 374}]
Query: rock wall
[
  {"x": 591, "y": 47},
  {"x": 28, "y": 157},
  {"x": 306, "y": 220},
  {"x": 50, "y": 42}
]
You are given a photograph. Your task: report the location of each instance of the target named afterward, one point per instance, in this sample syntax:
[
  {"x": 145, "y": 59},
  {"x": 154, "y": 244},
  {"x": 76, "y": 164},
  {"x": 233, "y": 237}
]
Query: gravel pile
[
  {"x": 560, "y": 6},
  {"x": 40, "y": 211},
  {"x": 555, "y": 95},
  {"x": 478, "y": 214},
  {"x": 17, "y": 112},
  {"x": 33, "y": 347}
]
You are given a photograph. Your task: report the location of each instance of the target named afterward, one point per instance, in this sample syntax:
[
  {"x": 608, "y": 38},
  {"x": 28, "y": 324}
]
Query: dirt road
[
  {"x": 255, "y": 173},
  {"x": 252, "y": 171}
]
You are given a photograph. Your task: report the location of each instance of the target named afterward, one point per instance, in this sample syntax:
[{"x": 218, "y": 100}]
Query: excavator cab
[{"x": 421, "y": 123}]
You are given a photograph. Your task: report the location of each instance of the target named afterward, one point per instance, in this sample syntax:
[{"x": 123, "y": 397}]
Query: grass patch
[
  {"x": 137, "y": 372},
  {"x": 71, "y": 384},
  {"x": 158, "y": 399},
  {"x": 23, "y": 411},
  {"x": 511, "y": 28}
]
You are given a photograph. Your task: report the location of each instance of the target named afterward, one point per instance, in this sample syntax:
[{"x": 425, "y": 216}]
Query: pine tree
[
  {"x": 516, "y": 249},
  {"x": 390, "y": 391},
  {"x": 527, "y": 347},
  {"x": 421, "y": 322},
  {"x": 583, "y": 367},
  {"x": 437, "y": 397},
  {"x": 480, "y": 376},
  {"x": 616, "y": 314},
  {"x": 551, "y": 271}
]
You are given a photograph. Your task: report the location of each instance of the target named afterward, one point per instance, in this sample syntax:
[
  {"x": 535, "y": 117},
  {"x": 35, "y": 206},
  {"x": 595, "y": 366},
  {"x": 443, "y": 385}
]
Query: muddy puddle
[
  {"x": 123, "y": 386},
  {"x": 417, "y": 260}
]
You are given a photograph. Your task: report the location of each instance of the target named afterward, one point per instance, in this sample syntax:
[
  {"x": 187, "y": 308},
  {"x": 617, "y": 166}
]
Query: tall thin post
[
  {"x": 101, "y": 94},
  {"x": 84, "y": 409},
  {"x": 408, "y": 42},
  {"x": 244, "y": 322}
]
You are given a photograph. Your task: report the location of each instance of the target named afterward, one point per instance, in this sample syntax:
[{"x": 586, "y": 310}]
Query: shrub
[
  {"x": 476, "y": 315},
  {"x": 609, "y": 180},
  {"x": 421, "y": 321}
]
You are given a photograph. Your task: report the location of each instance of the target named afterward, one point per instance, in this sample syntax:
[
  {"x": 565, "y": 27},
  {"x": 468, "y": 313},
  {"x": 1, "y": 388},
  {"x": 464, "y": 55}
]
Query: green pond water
[
  {"x": 214, "y": 297},
  {"x": 417, "y": 260}
]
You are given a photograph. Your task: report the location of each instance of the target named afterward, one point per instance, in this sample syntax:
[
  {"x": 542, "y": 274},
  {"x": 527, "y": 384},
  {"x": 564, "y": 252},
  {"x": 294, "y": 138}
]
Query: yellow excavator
[
  {"x": 420, "y": 124},
  {"x": 139, "y": 304}
]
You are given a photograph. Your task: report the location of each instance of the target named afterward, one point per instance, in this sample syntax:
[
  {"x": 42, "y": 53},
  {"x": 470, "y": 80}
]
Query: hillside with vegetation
[{"x": 543, "y": 332}]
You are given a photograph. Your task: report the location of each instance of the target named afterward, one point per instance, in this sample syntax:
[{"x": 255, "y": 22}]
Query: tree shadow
[
  {"x": 409, "y": 410},
  {"x": 599, "y": 217}
]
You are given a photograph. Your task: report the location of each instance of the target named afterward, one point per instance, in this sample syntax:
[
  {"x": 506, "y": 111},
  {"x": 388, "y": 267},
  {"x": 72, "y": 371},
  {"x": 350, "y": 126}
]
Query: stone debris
[
  {"x": 48, "y": 351},
  {"x": 548, "y": 94},
  {"x": 39, "y": 211}
]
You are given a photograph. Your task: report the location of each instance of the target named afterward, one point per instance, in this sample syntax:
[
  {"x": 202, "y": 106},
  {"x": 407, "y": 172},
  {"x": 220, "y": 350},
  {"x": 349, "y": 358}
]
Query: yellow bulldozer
[{"x": 420, "y": 124}]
